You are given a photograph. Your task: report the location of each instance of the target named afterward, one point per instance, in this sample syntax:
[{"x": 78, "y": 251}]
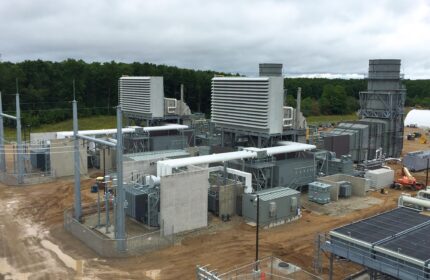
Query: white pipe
[
  {"x": 165, "y": 167},
  {"x": 67, "y": 134},
  {"x": 423, "y": 194},
  {"x": 243, "y": 174},
  {"x": 413, "y": 200}
]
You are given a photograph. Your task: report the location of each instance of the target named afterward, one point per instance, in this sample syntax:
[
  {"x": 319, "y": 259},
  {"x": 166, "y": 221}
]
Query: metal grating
[
  {"x": 383, "y": 225},
  {"x": 415, "y": 244}
]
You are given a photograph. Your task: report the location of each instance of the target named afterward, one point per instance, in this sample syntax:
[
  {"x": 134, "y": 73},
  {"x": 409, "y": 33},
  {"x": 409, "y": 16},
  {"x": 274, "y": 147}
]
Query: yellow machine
[{"x": 423, "y": 139}]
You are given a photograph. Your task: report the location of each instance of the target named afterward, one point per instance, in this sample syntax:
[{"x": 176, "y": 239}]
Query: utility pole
[
  {"x": 20, "y": 153},
  {"x": 120, "y": 213},
  {"x": 2, "y": 150},
  {"x": 427, "y": 172},
  {"x": 77, "y": 158},
  {"x": 256, "y": 233}
]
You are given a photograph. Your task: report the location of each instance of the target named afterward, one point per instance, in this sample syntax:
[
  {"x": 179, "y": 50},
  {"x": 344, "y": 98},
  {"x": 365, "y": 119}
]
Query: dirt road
[{"x": 30, "y": 216}]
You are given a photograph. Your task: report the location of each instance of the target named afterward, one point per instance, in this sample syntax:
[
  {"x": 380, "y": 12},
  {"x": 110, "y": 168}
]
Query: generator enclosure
[
  {"x": 277, "y": 206},
  {"x": 142, "y": 96}
]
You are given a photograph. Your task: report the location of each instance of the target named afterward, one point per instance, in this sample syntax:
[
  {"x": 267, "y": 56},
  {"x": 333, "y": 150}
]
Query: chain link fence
[
  {"x": 11, "y": 178},
  {"x": 108, "y": 247}
]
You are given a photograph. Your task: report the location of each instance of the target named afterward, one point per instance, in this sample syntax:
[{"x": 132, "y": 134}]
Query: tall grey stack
[
  {"x": 382, "y": 105},
  {"x": 381, "y": 117}
]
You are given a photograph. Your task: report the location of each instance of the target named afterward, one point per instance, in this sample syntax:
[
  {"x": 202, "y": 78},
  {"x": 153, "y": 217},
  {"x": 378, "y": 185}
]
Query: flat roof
[
  {"x": 385, "y": 225},
  {"x": 274, "y": 193},
  {"x": 415, "y": 244}
]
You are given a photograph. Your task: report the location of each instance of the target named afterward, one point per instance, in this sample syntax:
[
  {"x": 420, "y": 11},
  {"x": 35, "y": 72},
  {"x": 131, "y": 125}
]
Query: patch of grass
[
  {"x": 331, "y": 118},
  {"x": 95, "y": 122}
]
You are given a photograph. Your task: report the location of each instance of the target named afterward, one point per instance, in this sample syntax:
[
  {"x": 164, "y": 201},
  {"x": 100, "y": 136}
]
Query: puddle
[
  {"x": 8, "y": 272},
  {"x": 77, "y": 265},
  {"x": 153, "y": 274}
]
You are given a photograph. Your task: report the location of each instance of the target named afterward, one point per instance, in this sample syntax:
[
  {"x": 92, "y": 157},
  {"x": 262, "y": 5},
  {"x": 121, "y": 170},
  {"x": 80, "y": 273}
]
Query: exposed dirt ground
[{"x": 31, "y": 228}]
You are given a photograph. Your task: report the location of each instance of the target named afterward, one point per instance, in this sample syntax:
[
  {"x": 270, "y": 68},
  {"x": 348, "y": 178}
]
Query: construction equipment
[
  {"x": 410, "y": 136},
  {"x": 407, "y": 181},
  {"x": 423, "y": 139}
]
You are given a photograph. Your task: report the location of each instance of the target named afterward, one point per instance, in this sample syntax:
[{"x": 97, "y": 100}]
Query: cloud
[{"x": 334, "y": 37}]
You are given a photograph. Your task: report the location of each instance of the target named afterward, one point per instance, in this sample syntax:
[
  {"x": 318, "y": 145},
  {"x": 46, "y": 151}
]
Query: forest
[{"x": 46, "y": 89}]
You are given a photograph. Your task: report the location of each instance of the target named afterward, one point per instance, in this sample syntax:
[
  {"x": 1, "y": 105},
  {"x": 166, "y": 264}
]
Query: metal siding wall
[
  {"x": 168, "y": 142},
  {"x": 292, "y": 172}
]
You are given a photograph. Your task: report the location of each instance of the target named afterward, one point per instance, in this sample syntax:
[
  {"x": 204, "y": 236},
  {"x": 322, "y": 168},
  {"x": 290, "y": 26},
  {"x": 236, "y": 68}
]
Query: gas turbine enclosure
[
  {"x": 142, "y": 96},
  {"x": 252, "y": 105}
]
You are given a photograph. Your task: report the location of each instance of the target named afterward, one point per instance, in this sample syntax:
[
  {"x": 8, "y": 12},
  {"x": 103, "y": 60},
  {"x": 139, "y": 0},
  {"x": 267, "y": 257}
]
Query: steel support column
[
  {"x": 331, "y": 267},
  {"x": 120, "y": 213},
  {"x": 2, "y": 150},
  {"x": 77, "y": 160},
  {"x": 19, "y": 149}
]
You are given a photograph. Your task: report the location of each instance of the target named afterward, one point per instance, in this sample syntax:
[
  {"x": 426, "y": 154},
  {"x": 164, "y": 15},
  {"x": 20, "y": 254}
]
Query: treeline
[
  {"x": 340, "y": 96},
  {"x": 46, "y": 90}
]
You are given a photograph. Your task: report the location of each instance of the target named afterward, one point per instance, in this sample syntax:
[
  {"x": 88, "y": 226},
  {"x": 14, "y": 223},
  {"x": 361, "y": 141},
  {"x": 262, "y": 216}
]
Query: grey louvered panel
[{"x": 245, "y": 102}]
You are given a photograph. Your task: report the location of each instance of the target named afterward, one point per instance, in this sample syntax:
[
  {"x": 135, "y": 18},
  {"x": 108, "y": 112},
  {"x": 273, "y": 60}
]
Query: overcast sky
[{"x": 307, "y": 36}]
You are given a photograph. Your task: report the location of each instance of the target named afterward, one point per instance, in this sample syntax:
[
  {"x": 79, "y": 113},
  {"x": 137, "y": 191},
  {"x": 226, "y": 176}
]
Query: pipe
[
  {"x": 8, "y": 116},
  {"x": 96, "y": 140},
  {"x": 423, "y": 194},
  {"x": 425, "y": 203},
  {"x": 66, "y": 134},
  {"x": 165, "y": 167},
  {"x": 299, "y": 101}
]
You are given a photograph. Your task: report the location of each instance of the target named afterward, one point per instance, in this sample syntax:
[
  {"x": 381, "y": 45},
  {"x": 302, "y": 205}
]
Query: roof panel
[
  {"x": 415, "y": 244},
  {"x": 384, "y": 225}
]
